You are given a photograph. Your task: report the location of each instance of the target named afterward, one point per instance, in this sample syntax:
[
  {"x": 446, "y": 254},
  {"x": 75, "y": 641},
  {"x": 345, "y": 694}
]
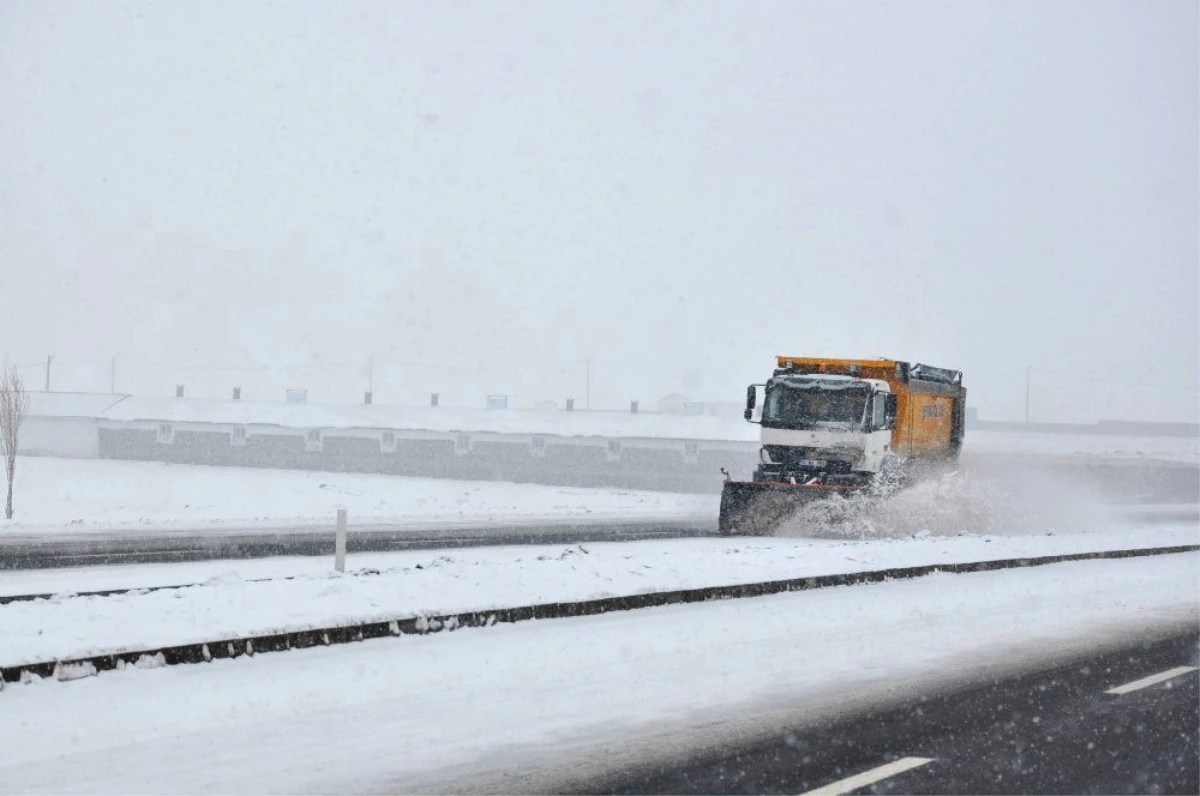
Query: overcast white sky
[{"x": 485, "y": 194}]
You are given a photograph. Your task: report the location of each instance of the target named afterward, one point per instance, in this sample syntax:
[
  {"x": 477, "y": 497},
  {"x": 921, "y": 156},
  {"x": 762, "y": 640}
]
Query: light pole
[
  {"x": 1028, "y": 371},
  {"x": 587, "y": 393}
]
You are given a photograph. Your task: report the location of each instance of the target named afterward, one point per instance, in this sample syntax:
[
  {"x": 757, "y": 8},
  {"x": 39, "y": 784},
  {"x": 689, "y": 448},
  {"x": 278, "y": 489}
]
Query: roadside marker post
[{"x": 339, "y": 545}]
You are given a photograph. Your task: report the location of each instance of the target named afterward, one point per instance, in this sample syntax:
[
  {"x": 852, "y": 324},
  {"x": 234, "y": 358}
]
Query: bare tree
[{"x": 14, "y": 406}]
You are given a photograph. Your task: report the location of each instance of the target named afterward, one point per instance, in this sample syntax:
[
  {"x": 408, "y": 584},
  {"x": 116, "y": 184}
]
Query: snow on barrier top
[{"x": 444, "y": 419}]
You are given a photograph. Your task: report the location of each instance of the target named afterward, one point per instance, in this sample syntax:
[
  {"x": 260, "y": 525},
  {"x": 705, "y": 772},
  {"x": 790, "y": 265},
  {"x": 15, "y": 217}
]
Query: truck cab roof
[{"x": 829, "y": 380}]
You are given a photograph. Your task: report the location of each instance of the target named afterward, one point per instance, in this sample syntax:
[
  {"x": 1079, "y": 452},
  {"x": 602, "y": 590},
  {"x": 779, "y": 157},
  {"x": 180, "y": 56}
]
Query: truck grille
[{"x": 784, "y": 457}]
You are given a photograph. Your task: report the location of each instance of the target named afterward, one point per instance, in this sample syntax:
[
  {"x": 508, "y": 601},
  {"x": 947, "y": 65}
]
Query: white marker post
[{"x": 339, "y": 544}]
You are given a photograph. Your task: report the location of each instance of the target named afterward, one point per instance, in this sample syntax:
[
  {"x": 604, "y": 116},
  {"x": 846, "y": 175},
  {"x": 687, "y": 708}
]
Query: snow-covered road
[{"x": 505, "y": 703}]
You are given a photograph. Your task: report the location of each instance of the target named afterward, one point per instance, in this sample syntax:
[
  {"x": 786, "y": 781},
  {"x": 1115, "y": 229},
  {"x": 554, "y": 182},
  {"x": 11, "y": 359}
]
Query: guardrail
[
  {"x": 216, "y": 649},
  {"x": 48, "y": 551}
]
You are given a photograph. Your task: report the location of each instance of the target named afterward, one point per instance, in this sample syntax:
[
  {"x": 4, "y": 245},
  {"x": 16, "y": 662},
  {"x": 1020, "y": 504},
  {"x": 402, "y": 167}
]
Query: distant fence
[{"x": 653, "y": 464}]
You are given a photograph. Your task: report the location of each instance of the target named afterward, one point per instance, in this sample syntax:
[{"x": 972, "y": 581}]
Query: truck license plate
[{"x": 812, "y": 463}]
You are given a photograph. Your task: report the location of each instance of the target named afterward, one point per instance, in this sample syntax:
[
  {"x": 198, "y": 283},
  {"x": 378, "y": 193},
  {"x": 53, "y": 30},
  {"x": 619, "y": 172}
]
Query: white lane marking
[
  {"x": 1151, "y": 680},
  {"x": 869, "y": 777}
]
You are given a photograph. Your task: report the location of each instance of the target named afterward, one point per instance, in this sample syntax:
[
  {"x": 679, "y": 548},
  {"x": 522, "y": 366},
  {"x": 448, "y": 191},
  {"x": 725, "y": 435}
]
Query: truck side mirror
[
  {"x": 752, "y": 401},
  {"x": 889, "y": 411}
]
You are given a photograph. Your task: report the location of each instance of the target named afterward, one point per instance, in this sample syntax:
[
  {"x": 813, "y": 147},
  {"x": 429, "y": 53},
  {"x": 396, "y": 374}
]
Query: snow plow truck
[{"x": 840, "y": 426}]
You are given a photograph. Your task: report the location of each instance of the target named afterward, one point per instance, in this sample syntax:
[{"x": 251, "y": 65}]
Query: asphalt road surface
[
  {"x": 145, "y": 546},
  {"x": 152, "y": 545},
  {"x": 1123, "y": 722}
]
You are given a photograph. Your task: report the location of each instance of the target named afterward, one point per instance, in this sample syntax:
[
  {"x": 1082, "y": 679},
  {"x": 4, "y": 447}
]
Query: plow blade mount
[{"x": 757, "y": 508}]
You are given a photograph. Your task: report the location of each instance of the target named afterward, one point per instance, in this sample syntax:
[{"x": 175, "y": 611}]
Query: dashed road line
[
  {"x": 1153, "y": 679},
  {"x": 869, "y": 777}
]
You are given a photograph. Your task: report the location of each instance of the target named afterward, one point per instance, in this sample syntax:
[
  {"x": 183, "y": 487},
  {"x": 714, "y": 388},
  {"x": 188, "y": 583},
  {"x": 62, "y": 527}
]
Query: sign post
[{"x": 339, "y": 545}]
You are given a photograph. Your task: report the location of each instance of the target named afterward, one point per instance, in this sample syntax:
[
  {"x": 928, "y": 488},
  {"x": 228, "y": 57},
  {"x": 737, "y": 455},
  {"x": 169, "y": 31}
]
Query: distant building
[{"x": 672, "y": 404}]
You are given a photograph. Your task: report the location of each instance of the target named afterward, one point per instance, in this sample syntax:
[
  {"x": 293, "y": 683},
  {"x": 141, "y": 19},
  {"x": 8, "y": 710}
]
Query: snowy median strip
[
  {"x": 66, "y": 667},
  {"x": 442, "y": 581}
]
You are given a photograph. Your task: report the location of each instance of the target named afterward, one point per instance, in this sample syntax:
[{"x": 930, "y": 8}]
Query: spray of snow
[{"x": 959, "y": 503}]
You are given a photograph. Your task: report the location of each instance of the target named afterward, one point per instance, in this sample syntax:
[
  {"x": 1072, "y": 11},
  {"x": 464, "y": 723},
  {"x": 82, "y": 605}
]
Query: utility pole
[
  {"x": 1028, "y": 371},
  {"x": 49, "y": 359},
  {"x": 587, "y": 396},
  {"x": 113, "y": 380}
]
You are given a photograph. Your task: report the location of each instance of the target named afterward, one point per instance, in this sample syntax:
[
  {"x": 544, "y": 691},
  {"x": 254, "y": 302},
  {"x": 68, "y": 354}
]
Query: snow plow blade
[{"x": 757, "y": 508}]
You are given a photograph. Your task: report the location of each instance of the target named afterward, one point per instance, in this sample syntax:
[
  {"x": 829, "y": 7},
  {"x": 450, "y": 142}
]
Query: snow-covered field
[
  {"x": 305, "y": 593},
  {"x": 82, "y": 494},
  {"x": 503, "y": 705}
]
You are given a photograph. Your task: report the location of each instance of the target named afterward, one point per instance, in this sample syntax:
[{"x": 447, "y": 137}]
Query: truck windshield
[{"x": 811, "y": 406}]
